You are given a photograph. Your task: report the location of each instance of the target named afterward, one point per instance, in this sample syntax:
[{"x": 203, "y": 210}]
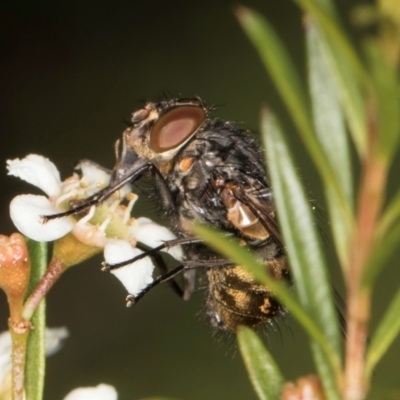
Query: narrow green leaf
[
  {"x": 386, "y": 85},
  {"x": 307, "y": 261},
  {"x": 390, "y": 216},
  {"x": 36, "y": 351},
  {"x": 388, "y": 329},
  {"x": 327, "y": 114},
  {"x": 278, "y": 63},
  {"x": 232, "y": 250},
  {"x": 264, "y": 373},
  {"x": 318, "y": 11},
  {"x": 328, "y": 7},
  {"x": 383, "y": 251},
  {"x": 348, "y": 71},
  {"x": 331, "y": 133},
  {"x": 387, "y": 241}
]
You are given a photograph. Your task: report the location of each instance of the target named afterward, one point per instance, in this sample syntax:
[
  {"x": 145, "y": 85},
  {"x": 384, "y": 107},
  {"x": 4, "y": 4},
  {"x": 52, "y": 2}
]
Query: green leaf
[
  {"x": 307, "y": 261},
  {"x": 327, "y": 114},
  {"x": 391, "y": 215},
  {"x": 36, "y": 350},
  {"x": 278, "y": 63},
  {"x": 232, "y": 250},
  {"x": 348, "y": 71},
  {"x": 387, "y": 241},
  {"x": 264, "y": 373},
  {"x": 383, "y": 250},
  {"x": 388, "y": 329},
  {"x": 331, "y": 133},
  {"x": 386, "y": 85}
]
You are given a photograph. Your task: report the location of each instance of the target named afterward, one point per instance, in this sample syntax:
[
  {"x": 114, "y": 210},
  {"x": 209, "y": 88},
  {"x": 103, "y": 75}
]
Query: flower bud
[
  {"x": 14, "y": 271},
  {"x": 307, "y": 387}
]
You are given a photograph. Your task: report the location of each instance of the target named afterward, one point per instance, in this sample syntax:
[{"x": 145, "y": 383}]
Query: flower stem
[
  {"x": 53, "y": 272},
  {"x": 19, "y": 336}
]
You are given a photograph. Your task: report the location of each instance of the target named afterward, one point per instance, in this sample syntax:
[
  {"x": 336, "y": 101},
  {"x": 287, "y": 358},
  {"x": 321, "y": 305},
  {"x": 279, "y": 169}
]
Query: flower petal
[
  {"x": 5, "y": 354},
  {"x": 38, "y": 171},
  {"x": 136, "y": 276},
  {"x": 54, "y": 339},
  {"x": 26, "y": 212},
  {"x": 146, "y": 231},
  {"x": 94, "y": 175},
  {"x": 89, "y": 234},
  {"x": 99, "y": 392},
  {"x": 98, "y": 177}
]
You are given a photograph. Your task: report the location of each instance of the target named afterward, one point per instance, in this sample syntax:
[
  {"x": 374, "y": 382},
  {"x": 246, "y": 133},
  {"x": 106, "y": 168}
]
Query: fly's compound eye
[{"x": 175, "y": 127}]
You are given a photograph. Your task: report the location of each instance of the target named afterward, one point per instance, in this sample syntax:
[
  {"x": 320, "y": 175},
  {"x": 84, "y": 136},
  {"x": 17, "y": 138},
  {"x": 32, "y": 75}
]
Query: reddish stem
[
  {"x": 54, "y": 271},
  {"x": 370, "y": 198}
]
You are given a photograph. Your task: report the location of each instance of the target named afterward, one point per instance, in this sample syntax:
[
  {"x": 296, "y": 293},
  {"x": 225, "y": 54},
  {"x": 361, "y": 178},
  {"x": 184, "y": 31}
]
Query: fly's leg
[
  {"x": 100, "y": 196},
  {"x": 131, "y": 299},
  {"x": 166, "y": 245},
  {"x": 185, "y": 267},
  {"x": 159, "y": 262}
]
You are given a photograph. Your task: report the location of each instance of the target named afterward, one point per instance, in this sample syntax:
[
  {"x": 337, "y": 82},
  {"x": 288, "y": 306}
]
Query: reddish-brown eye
[{"x": 175, "y": 127}]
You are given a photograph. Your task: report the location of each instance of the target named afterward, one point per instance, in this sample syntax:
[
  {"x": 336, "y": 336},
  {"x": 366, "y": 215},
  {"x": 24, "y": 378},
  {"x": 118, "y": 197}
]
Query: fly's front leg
[{"x": 102, "y": 195}]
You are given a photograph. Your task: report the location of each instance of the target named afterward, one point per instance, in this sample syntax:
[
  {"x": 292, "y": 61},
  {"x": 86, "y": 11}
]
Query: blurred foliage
[{"x": 350, "y": 98}]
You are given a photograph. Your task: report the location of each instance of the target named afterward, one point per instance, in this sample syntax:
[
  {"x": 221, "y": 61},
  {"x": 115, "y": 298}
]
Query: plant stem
[
  {"x": 19, "y": 336},
  {"x": 54, "y": 271},
  {"x": 374, "y": 175}
]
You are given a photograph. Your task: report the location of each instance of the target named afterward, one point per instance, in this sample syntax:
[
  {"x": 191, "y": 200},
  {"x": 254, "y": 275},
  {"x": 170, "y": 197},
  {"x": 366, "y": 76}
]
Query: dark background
[{"x": 70, "y": 74}]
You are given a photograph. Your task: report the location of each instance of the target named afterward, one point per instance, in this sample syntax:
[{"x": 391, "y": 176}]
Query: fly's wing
[
  {"x": 259, "y": 202},
  {"x": 249, "y": 207}
]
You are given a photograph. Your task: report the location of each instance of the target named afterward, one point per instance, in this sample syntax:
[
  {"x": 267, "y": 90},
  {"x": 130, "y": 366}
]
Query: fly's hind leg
[
  {"x": 159, "y": 262},
  {"x": 166, "y": 275},
  {"x": 166, "y": 245},
  {"x": 131, "y": 299},
  {"x": 186, "y": 266}
]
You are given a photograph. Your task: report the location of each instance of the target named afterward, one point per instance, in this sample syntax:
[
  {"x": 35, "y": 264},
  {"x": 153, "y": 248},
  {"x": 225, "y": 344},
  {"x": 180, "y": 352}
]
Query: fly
[{"x": 210, "y": 171}]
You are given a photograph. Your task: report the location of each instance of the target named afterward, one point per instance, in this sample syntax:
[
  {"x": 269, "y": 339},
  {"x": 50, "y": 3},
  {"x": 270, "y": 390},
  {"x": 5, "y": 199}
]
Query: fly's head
[{"x": 160, "y": 130}]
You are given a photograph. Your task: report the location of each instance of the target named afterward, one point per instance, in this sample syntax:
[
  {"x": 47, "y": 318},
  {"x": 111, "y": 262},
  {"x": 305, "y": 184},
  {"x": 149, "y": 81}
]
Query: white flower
[
  {"x": 146, "y": 231},
  {"x": 38, "y": 171},
  {"x": 27, "y": 210},
  {"x": 54, "y": 341},
  {"x": 135, "y": 277},
  {"x": 112, "y": 221},
  {"x": 100, "y": 392}
]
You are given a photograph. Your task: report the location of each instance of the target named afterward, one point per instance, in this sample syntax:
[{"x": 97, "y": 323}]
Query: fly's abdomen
[{"x": 234, "y": 298}]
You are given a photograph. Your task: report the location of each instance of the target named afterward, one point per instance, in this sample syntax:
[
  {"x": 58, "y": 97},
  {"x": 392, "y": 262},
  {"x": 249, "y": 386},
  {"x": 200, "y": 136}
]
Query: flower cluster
[{"x": 107, "y": 227}]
